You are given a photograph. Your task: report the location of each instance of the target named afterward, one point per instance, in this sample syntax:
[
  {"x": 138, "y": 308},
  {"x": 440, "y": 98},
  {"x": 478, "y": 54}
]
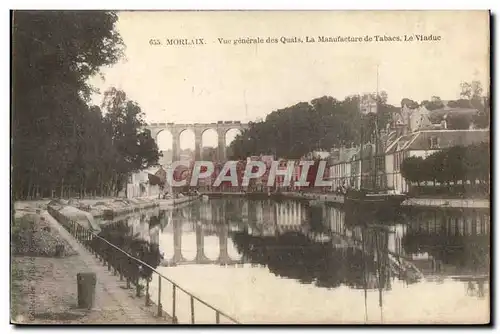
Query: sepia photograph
[{"x": 250, "y": 167}]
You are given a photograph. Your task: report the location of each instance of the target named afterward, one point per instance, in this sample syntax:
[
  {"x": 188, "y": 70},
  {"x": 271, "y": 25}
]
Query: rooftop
[{"x": 421, "y": 140}]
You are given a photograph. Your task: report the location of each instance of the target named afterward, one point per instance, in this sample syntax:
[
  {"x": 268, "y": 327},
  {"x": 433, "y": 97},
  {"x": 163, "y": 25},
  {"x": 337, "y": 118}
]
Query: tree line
[
  {"x": 323, "y": 123},
  {"x": 292, "y": 255},
  {"x": 471, "y": 97},
  {"x": 62, "y": 144},
  {"x": 458, "y": 165},
  {"x": 326, "y": 122}
]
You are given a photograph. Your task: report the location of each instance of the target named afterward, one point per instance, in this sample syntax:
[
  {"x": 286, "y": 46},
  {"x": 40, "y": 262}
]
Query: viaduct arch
[{"x": 221, "y": 127}]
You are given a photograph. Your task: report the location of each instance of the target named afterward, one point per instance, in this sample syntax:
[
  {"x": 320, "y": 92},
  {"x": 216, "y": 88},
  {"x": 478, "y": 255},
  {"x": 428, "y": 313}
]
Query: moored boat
[{"x": 363, "y": 204}]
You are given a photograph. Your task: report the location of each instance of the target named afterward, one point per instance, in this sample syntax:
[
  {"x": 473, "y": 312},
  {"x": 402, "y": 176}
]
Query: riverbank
[
  {"x": 166, "y": 204},
  {"x": 105, "y": 208},
  {"x": 464, "y": 203},
  {"x": 44, "y": 287},
  {"x": 46, "y": 260}
]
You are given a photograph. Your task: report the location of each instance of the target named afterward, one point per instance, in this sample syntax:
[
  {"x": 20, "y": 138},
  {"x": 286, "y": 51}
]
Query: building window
[{"x": 433, "y": 142}]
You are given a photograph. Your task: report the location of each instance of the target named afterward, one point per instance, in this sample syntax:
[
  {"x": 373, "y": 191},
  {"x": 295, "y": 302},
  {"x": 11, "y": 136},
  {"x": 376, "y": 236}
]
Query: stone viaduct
[{"x": 221, "y": 127}]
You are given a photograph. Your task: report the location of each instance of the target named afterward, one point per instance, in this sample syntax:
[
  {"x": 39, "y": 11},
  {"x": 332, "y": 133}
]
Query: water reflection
[{"x": 441, "y": 254}]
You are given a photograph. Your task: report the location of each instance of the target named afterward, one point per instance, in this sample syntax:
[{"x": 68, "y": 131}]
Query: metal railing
[{"x": 115, "y": 264}]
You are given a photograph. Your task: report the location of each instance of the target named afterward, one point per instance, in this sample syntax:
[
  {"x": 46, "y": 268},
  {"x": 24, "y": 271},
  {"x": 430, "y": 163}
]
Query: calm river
[{"x": 290, "y": 262}]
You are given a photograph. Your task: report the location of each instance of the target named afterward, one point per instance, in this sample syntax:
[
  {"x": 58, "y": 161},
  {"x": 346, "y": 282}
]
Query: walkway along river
[{"x": 270, "y": 261}]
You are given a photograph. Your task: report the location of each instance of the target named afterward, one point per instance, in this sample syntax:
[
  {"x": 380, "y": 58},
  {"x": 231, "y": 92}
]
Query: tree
[
  {"x": 472, "y": 90},
  {"x": 459, "y": 121},
  {"x": 434, "y": 167},
  {"x": 481, "y": 120},
  {"x": 454, "y": 164},
  {"x": 134, "y": 145},
  {"x": 461, "y": 103},
  {"x": 409, "y": 103},
  {"x": 323, "y": 123},
  {"x": 471, "y": 97},
  {"x": 433, "y": 104},
  {"x": 61, "y": 145},
  {"x": 54, "y": 55},
  {"x": 477, "y": 162},
  {"x": 412, "y": 169}
]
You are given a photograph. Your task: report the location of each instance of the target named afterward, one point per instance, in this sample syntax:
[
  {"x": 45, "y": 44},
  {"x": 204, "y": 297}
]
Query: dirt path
[{"x": 45, "y": 291}]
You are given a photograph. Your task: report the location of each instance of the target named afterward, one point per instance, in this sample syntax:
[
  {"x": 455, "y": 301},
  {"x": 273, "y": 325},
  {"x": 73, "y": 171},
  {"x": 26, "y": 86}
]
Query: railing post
[
  {"x": 192, "y": 309},
  {"x": 120, "y": 267},
  {"x": 217, "y": 317},
  {"x": 147, "y": 292},
  {"x": 159, "y": 312},
  {"x": 173, "y": 303},
  {"x": 137, "y": 287}
]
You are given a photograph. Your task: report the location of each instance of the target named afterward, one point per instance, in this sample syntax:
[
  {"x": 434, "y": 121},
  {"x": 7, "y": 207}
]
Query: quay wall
[
  {"x": 113, "y": 209},
  {"x": 110, "y": 213},
  {"x": 463, "y": 203}
]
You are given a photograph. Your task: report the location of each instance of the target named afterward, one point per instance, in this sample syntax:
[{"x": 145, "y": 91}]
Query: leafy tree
[
  {"x": 481, "y": 120},
  {"x": 432, "y": 168},
  {"x": 411, "y": 169},
  {"x": 433, "y": 104},
  {"x": 455, "y": 164},
  {"x": 471, "y": 97},
  {"x": 460, "y": 103},
  {"x": 54, "y": 55},
  {"x": 471, "y": 90},
  {"x": 124, "y": 120},
  {"x": 409, "y": 103},
  {"x": 323, "y": 123},
  {"x": 453, "y": 161},
  {"x": 477, "y": 161},
  {"x": 459, "y": 121},
  {"x": 61, "y": 145}
]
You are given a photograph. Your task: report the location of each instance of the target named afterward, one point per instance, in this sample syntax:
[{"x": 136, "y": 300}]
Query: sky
[{"x": 245, "y": 82}]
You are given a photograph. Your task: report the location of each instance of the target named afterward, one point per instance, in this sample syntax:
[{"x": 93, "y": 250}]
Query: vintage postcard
[{"x": 250, "y": 167}]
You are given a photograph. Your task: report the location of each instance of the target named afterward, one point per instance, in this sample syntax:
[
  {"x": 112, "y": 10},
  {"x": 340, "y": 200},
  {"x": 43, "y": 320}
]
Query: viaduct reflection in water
[
  {"x": 313, "y": 244},
  {"x": 224, "y": 220}
]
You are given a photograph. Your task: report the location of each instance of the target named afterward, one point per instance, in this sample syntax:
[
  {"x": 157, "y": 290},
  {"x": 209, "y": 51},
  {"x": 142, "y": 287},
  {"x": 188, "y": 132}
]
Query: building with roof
[
  {"x": 340, "y": 163},
  {"x": 411, "y": 132},
  {"x": 368, "y": 167},
  {"x": 140, "y": 185},
  {"x": 422, "y": 144}
]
